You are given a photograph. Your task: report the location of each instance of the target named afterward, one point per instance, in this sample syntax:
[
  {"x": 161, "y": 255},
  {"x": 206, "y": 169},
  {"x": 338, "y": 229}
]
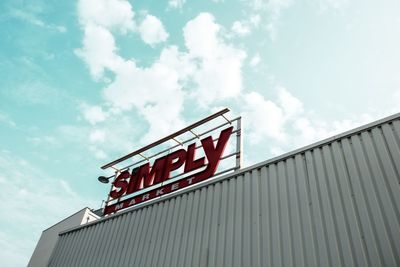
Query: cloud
[
  {"x": 207, "y": 72},
  {"x": 219, "y": 73},
  {"x": 99, "y": 50},
  {"x": 98, "y": 153},
  {"x": 116, "y": 135},
  {"x": 32, "y": 18},
  {"x": 285, "y": 123},
  {"x": 93, "y": 114},
  {"x": 201, "y": 36},
  {"x": 332, "y": 4},
  {"x": 245, "y": 27},
  {"x": 265, "y": 119},
  {"x": 27, "y": 190},
  {"x": 176, "y": 4},
  {"x": 291, "y": 105},
  {"x": 255, "y": 60},
  {"x": 255, "y": 20},
  {"x": 43, "y": 140},
  {"x": 97, "y": 136},
  {"x": 159, "y": 103},
  {"x": 274, "y": 10},
  {"x": 240, "y": 28},
  {"x": 5, "y": 119},
  {"x": 272, "y": 6},
  {"x": 210, "y": 65},
  {"x": 310, "y": 130},
  {"x": 152, "y": 30},
  {"x": 113, "y": 15},
  {"x": 99, "y": 19},
  {"x": 35, "y": 93},
  {"x": 276, "y": 6}
]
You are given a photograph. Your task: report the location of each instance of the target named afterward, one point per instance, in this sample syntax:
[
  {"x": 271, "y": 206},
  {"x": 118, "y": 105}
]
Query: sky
[{"x": 85, "y": 82}]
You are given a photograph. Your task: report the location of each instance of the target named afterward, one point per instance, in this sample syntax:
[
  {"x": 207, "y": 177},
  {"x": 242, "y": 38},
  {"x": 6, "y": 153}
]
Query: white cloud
[
  {"x": 262, "y": 119},
  {"x": 311, "y": 130},
  {"x": 255, "y": 20},
  {"x": 219, "y": 75},
  {"x": 99, "y": 18},
  {"x": 93, "y": 114},
  {"x": 99, "y": 50},
  {"x": 4, "y": 118},
  {"x": 118, "y": 134},
  {"x": 332, "y": 4},
  {"x": 396, "y": 98},
  {"x": 210, "y": 68},
  {"x": 272, "y": 30},
  {"x": 255, "y": 60},
  {"x": 152, "y": 30},
  {"x": 245, "y": 27},
  {"x": 220, "y": 78},
  {"x": 201, "y": 36},
  {"x": 43, "y": 140},
  {"x": 61, "y": 29},
  {"x": 287, "y": 124},
  {"x": 181, "y": 62},
  {"x": 159, "y": 103},
  {"x": 97, "y": 136},
  {"x": 292, "y": 106},
  {"x": 213, "y": 66},
  {"x": 36, "y": 93},
  {"x": 32, "y": 18},
  {"x": 240, "y": 28},
  {"x": 177, "y": 4},
  {"x": 274, "y": 9},
  {"x": 110, "y": 14},
  {"x": 205, "y": 75},
  {"x": 273, "y": 6},
  {"x": 276, "y": 6},
  {"x": 98, "y": 153}
]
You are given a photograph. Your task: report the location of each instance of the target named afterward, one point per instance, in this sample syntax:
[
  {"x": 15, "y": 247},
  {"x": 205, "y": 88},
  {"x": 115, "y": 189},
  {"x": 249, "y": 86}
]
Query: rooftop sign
[{"x": 176, "y": 167}]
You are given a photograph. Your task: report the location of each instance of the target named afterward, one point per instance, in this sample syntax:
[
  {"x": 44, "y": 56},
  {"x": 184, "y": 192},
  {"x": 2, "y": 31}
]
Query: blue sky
[{"x": 83, "y": 82}]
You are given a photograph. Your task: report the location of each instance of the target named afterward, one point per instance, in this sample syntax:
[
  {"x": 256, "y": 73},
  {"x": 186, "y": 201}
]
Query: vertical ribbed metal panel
[{"x": 334, "y": 204}]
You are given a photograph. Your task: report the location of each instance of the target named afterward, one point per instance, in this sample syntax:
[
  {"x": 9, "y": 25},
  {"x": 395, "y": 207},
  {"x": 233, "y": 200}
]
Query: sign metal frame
[{"x": 178, "y": 181}]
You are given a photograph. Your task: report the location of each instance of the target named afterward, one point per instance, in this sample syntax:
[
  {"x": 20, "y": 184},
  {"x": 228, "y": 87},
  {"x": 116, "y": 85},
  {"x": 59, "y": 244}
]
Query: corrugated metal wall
[{"x": 336, "y": 204}]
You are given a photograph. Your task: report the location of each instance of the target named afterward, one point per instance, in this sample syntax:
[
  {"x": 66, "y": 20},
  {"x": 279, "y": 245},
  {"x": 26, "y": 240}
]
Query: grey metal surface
[
  {"x": 336, "y": 203},
  {"x": 48, "y": 240}
]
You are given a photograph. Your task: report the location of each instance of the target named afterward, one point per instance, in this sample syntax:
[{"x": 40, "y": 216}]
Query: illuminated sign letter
[
  {"x": 214, "y": 154},
  {"x": 174, "y": 161},
  {"x": 192, "y": 164},
  {"x": 121, "y": 183},
  {"x": 145, "y": 177}
]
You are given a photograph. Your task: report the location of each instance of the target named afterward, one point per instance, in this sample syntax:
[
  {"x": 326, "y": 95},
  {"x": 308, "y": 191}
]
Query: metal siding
[{"x": 334, "y": 204}]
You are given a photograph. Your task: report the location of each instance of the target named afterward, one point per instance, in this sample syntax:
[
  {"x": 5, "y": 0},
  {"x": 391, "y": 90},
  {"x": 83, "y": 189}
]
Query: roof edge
[{"x": 73, "y": 214}]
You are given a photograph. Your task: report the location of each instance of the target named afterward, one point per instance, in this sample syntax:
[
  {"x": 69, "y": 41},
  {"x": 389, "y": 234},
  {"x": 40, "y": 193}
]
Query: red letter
[
  {"x": 146, "y": 177},
  {"x": 121, "y": 183},
  {"x": 214, "y": 154},
  {"x": 192, "y": 164},
  {"x": 170, "y": 166}
]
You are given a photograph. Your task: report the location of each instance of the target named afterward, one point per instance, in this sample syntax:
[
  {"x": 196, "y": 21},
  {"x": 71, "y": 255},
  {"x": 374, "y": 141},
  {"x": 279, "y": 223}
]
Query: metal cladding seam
[{"x": 337, "y": 204}]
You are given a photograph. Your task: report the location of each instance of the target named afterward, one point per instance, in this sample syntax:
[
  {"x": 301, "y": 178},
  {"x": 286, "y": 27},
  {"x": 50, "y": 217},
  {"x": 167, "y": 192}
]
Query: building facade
[{"x": 333, "y": 203}]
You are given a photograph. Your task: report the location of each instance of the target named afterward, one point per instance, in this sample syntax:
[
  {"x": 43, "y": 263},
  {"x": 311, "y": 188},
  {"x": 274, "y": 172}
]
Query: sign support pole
[{"x": 239, "y": 144}]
